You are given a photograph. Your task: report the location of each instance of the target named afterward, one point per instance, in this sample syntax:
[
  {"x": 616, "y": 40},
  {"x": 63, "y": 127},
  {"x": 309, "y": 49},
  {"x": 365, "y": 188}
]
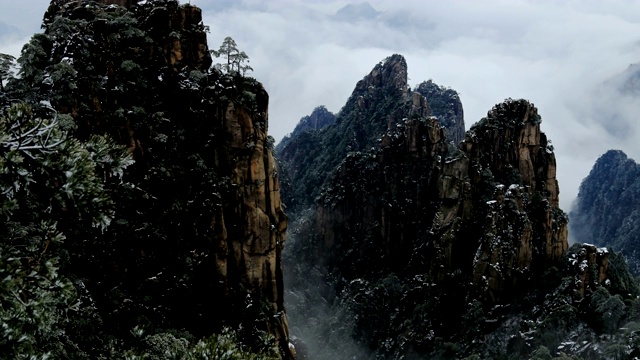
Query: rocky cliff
[
  {"x": 446, "y": 106},
  {"x": 124, "y": 3},
  {"x": 512, "y": 171},
  {"x": 319, "y": 118},
  {"x": 489, "y": 210},
  {"x": 197, "y": 240},
  {"x": 405, "y": 212},
  {"x": 379, "y": 102},
  {"x": 605, "y": 212}
]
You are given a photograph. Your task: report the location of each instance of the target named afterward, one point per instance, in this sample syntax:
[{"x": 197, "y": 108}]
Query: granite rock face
[
  {"x": 490, "y": 209},
  {"x": 446, "y": 106},
  {"x": 404, "y": 201},
  {"x": 525, "y": 230},
  {"x": 379, "y": 102},
  {"x": 204, "y": 219},
  {"x": 605, "y": 212},
  {"x": 249, "y": 234}
]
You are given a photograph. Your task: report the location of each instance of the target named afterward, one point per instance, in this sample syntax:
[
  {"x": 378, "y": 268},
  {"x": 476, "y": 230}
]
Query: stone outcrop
[
  {"x": 204, "y": 220},
  {"x": 250, "y": 234},
  {"x": 319, "y": 118},
  {"x": 591, "y": 265},
  {"x": 488, "y": 210},
  {"x": 124, "y": 3},
  {"x": 177, "y": 31},
  {"x": 606, "y": 211},
  {"x": 446, "y": 106},
  {"x": 512, "y": 170},
  {"x": 428, "y": 242},
  {"x": 380, "y": 101}
]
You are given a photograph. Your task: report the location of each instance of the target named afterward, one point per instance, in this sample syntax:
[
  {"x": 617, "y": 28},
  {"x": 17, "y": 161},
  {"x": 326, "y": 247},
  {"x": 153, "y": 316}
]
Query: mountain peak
[
  {"x": 611, "y": 156},
  {"x": 125, "y": 3},
  {"x": 389, "y": 73},
  {"x": 446, "y": 106},
  {"x": 361, "y": 11},
  {"x": 512, "y": 110}
]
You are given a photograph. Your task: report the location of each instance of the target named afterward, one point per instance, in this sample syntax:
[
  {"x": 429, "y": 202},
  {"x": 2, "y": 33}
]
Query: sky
[{"x": 567, "y": 57}]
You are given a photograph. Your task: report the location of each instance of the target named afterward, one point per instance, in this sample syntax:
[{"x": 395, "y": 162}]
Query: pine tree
[
  {"x": 7, "y": 63},
  {"x": 237, "y": 61},
  {"x": 45, "y": 178}
]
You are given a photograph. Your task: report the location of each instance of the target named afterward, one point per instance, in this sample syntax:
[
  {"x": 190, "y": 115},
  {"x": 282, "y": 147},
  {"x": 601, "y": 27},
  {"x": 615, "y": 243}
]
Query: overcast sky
[{"x": 564, "y": 56}]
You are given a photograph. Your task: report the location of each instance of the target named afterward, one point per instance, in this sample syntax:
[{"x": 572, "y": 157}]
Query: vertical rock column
[{"x": 251, "y": 234}]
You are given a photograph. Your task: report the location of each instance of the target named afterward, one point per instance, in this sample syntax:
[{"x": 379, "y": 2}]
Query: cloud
[{"x": 19, "y": 20}]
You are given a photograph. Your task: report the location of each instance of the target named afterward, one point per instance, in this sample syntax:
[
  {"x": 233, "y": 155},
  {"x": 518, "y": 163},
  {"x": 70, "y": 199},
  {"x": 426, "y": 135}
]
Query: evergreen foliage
[
  {"x": 237, "y": 61},
  {"x": 7, "y": 63},
  {"x": 107, "y": 257},
  {"x": 47, "y": 180},
  {"x": 96, "y": 247}
]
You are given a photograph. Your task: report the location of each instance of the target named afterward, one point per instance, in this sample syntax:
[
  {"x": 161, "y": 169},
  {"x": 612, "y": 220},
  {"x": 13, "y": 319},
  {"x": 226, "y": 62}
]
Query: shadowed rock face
[
  {"x": 605, "y": 212},
  {"x": 587, "y": 259},
  {"x": 421, "y": 231},
  {"x": 490, "y": 210},
  {"x": 403, "y": 201},
  {"x": 162, "y": 24},
  {"x": 379, "y": 102},
  {"x": 446, "y": 106},
  {"x": 210, "y": 224},
  {"x": 125, "y": 3},
  {"x": 512, "y": 169}
]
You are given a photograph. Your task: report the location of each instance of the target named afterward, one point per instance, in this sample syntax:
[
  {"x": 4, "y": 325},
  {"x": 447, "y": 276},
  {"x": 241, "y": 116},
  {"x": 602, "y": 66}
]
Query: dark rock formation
[
  {"x": 591, "y": 265},
  {"x": 477, "y": 223},
  {"x": 526, "y": 229},
  {"x": 606, "y": 211},
  {"x": 125, "y": 3},
  {"x": 176, "y": 32},
  {"x": 446, "y": 106},
  {"x": 320, "y": 117},
  {"x": 490, "y": 210},
  {"x": 197, "y": 243},
  {"x": 379, "y": 102}
]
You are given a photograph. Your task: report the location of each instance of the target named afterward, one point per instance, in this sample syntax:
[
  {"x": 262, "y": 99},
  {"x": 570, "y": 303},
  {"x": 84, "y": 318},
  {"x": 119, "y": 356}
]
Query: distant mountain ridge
[
  {"x": 607, "y": 209},
  {"x": 355, "y": 12},
  {"x": 319, "y": 118}
]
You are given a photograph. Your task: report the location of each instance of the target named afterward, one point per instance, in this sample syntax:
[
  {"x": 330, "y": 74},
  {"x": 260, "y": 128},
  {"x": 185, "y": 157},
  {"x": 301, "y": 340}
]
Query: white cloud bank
[{"x": 557, "y": 54}]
